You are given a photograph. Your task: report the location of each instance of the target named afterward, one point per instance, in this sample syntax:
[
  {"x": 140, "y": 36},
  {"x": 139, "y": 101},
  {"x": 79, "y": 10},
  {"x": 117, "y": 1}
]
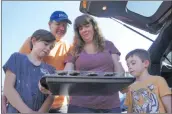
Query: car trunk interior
[{"x": 159, "y": 51}]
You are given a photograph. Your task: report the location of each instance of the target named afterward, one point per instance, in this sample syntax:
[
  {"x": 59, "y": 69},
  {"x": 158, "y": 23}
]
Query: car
[{"x": 154, "y": 17}]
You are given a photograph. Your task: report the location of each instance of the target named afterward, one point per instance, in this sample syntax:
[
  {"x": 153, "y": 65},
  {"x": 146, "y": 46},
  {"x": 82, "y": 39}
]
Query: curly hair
[{"x": 78, "y": 42}]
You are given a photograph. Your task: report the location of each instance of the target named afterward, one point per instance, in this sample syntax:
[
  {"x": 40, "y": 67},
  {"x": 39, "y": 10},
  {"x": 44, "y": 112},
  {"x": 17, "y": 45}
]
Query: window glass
[{"x": 144, "y": 8}]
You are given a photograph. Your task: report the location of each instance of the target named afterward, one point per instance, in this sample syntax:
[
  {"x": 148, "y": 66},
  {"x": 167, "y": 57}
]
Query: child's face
[
  {"x": 135, "y": 65},
  {"x": 42, "y": 48}
]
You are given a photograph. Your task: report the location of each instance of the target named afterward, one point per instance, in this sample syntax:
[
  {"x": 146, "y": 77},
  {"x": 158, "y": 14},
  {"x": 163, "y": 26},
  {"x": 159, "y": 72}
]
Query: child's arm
[
  {"x": 12, "y": 95},
  {"x": 167, "y": 103},
  {"x": 47, "y": 104},
  {"x": 4, "y": 104},
  {"x": 165, "y": 93},
  {"x": 128, "y": 101}
]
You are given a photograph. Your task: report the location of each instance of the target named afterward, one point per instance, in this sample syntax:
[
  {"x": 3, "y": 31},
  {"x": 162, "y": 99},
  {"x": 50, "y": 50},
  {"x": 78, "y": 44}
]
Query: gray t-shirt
[
  {"x": 101, "y": 61},
  {"x": 27, "y": 78}
]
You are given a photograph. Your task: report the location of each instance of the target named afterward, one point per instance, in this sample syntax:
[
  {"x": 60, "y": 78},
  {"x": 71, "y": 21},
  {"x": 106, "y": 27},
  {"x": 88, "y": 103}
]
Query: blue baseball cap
[{"x": 59, "y": 16}]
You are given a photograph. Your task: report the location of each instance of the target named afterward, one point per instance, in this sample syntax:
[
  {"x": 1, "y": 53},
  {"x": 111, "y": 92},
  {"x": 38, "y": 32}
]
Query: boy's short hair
[
  {"x": 42, "y": 35},
  {"x": 141, "y": 53}
]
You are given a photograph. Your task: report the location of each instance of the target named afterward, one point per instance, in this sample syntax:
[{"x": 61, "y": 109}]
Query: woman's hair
[
  {"x": 42, "y": 35},
  {"x": 78, "y": 42}
]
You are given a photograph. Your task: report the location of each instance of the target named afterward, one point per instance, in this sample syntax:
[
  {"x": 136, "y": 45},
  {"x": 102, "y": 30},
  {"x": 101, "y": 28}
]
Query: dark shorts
[{"x": 78, "y": 109}]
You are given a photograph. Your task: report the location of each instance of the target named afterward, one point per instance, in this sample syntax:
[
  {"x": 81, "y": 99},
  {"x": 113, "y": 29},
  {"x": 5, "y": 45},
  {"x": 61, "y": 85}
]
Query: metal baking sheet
[{"x": 84, "y": 83}]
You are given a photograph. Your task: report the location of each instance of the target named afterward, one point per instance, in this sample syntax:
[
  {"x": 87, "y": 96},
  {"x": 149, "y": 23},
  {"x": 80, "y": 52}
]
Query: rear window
[{"x": 144, "y": 8}]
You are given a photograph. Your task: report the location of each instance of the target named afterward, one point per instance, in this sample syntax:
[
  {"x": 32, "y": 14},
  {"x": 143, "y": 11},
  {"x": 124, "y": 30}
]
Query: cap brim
[{"x": 67, "y": 20}]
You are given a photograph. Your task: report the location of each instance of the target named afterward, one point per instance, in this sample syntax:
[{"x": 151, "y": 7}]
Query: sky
[{"x": 21, "y": 18}]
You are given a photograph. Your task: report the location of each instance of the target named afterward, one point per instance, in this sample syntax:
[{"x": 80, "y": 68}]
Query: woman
[{"x": 91, "y": 52}]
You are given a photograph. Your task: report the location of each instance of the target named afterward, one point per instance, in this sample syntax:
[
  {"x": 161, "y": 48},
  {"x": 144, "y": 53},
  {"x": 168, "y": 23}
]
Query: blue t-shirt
[{"x": 27, "y": 78}]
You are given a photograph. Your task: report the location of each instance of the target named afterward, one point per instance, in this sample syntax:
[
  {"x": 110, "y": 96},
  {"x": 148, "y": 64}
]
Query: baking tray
[{"x": 85, "y": 83}]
